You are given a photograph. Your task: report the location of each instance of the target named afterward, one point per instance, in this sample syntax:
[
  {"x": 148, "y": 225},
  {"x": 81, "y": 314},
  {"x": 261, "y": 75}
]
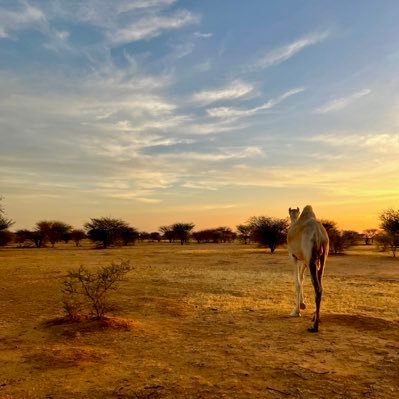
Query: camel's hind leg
[{"x": 316, "y": 272}]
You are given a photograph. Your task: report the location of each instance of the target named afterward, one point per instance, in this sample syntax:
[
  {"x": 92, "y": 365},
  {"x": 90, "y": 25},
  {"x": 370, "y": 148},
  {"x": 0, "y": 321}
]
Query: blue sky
[{"x": 211, "y": 112}]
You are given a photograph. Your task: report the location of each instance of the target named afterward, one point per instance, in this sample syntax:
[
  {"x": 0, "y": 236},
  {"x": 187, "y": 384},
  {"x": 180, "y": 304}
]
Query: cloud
[
  {"x": 25, "y": 17},
  {"x": 386, "y": 143},
  {"x": 223, "y": 154},
  {"x": 230, "y": 112},
  {"x": 150, "y": 26},
  {"x": 284, "y": 53},
  {"x": 342, "y": 102},
  {"x": 203, "y": 35},
  {"x": 235, "y": 89}
]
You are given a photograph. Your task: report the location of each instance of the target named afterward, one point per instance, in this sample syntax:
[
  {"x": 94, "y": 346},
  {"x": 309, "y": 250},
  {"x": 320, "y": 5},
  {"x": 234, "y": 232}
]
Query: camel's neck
[{"x": 293, "y": 219}]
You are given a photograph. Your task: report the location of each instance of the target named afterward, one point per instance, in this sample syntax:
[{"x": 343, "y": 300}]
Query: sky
[{"x": 164, "y": 111}]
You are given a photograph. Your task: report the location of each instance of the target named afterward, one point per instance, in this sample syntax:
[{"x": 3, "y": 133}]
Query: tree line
[{"x": 266, "y": 231}]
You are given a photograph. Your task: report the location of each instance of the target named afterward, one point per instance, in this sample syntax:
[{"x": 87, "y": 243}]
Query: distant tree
[
  {"x": 6, "y": 237},
  {"x": 226, "y": 234},
  {"x": 167, "y": 233},
  {"x": 382, "y": 241},
  {"x": 55, "y": 230},
  {"x": 24, "y": 237},
  {"x": 182, "y": 231},
  {"x": 207, "y": 235},
  {"x": 155, "y": 236},
  {"x": 244, "y": 232},
  {"x": 268, "y": 232},
  {"x": 369, "y": 235},
  {"x": 328, "y": 224},
  {"x": 390, "y": 225},
  {"x": 105, "y": 231},
  {"x": 77, "y": 235},
  {"x": 41, "y": 233},
  {"x": 4, "y": 222},
  {"x": 129, "y": 235},
  {"x": 144, "y": 235}
]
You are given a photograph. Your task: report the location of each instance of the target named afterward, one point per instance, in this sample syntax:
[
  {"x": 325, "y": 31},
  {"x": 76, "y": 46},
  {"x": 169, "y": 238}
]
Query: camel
[{"x": 308, "y": 246}]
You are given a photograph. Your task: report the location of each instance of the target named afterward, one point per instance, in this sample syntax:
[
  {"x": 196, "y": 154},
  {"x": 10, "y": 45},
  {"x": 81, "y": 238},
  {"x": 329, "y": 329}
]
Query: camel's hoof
[
  {"x": 313, "y": 317},
  {"x": 313, "y": 329},
  {"x": 295, "y": 313},
  {"x": 302, "y": 306}
]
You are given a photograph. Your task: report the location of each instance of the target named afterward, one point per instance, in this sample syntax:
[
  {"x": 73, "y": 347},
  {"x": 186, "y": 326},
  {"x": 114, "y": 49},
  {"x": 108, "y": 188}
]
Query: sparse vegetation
[
  {"x": 205, "y": 309},
  {"x": 86, "y": 291}
]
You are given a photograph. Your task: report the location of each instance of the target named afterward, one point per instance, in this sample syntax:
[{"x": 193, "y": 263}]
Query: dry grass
[{"x": 199, "y": 321}]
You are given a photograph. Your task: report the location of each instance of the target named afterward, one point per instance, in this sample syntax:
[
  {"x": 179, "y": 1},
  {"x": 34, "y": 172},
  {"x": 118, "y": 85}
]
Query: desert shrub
[{"x": 86, "y": 291}]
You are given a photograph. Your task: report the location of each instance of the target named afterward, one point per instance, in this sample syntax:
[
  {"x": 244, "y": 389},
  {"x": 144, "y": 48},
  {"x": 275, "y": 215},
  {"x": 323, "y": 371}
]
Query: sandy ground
[{"x": 200, "y": 321}]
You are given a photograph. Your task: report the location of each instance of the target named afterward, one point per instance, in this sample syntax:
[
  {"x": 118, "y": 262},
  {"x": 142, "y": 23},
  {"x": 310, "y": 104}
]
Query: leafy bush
[{"x": 85, "y": 291}]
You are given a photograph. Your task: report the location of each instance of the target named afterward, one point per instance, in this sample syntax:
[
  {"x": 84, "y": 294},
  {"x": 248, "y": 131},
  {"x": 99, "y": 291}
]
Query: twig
[{"x": 276, "y": 390}]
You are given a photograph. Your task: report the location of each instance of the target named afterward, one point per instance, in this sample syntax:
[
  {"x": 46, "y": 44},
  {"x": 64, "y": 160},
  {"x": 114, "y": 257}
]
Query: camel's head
[{"x": 294, "y": 214}]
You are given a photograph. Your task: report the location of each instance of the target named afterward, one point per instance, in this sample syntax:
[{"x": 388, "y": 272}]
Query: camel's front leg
[{"x": 298, "y": 277}]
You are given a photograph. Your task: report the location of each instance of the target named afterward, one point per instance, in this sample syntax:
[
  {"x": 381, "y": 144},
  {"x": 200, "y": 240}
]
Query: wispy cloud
[
  {"x": 151, "y": 26},
  {"x": 235, "y": 89},
  {"x": 387, "y": 143},
  {"x": 222, "y": 154},
  {"x": 284, "y": 53},
  {"x": 342, "y": 102},
  {"x": 203, "y": 35},
  {"x": 230, "y": 112},
  {"x": 23, "y": 17}
]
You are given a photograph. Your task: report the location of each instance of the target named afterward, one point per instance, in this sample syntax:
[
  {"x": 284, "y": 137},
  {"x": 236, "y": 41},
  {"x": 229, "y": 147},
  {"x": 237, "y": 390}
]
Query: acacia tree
[
  {"x": 182, "y": 231},
  {"x": 167, "y": 233},
  {"x": 339, "y": 240},
  {"x": 129, "y": 235},
  {"x": 369, "y": 235},
  {"x": 268, "y": 232},
  {"x": 77, "y": 235},
  {"x": 244, "y": 232},
  {"x": 105, "y": 231},
  {"x": 390, "y": 224},
  {"x": 55, "y": 230}
]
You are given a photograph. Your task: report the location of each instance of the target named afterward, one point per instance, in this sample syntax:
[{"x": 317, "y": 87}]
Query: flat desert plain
[{"x": 200, "y": 321}]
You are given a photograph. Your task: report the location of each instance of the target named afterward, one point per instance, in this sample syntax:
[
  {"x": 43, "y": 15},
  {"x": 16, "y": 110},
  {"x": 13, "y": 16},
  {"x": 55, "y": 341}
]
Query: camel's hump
[{"x": 308, "y": 212}]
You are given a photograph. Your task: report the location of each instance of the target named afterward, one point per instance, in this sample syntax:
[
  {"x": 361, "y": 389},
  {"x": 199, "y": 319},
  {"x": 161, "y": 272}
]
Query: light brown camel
[{"x": 308, "y": 246}]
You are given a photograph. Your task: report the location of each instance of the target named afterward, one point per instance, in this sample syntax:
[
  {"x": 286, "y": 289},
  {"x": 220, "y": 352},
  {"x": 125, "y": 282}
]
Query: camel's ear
[
  {"x": 297, "y": 208},
  {"x": 289, "y": 210}
]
